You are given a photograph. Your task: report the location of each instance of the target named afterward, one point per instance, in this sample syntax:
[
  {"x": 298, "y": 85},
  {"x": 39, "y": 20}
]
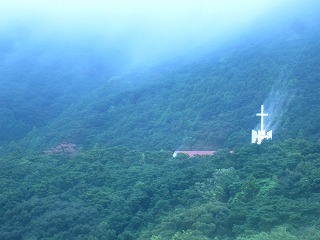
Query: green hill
[
  {"x": 267, "y": 191},
  {"x": 86, "y": 148},
  {"x": 41, "y": 77},
  {"x": 205, "y": 104}
]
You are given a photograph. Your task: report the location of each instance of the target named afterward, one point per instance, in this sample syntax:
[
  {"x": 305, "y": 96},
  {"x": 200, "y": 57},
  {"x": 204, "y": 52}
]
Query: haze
[{"x": 141, "y": 31}]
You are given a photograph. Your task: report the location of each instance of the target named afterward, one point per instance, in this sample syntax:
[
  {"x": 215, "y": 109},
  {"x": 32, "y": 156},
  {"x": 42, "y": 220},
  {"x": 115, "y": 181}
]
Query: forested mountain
[
  {"x": 205, "y": 104},
  {"x": 268, "y": 191},
  {"x": 41, "y": 76},
  {"x": 87, "y": 137}
]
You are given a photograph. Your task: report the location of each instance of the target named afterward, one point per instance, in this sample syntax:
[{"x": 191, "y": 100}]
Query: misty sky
[{"x": 146, "y": 29}]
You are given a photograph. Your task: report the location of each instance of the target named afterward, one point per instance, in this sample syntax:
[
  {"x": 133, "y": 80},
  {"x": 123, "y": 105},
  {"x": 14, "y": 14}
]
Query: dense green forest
[
  {"x": 53, "y": 94},
  {"x": 267, "y": 191},
  {"x": 210, "y": 103},
  {"x": 86, "y": 141}
]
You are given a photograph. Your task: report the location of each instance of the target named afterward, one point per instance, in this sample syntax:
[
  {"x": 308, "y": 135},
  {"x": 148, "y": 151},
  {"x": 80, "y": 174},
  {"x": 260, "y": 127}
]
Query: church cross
[{"x": 262, "y": 114}]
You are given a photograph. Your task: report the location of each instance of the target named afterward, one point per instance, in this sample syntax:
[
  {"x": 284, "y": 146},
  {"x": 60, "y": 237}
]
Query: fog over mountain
[
  {"x": 96, "y": 95},
  {"x": 136, "y": 33},
  {"x": 54, "y": 53}
]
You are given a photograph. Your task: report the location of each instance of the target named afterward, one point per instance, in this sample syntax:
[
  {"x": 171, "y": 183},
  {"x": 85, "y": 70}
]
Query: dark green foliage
[
  {"x": 117, "y": 193},
  {"x": 206, "y": 104},
  {"x": 109, "y": 192}
]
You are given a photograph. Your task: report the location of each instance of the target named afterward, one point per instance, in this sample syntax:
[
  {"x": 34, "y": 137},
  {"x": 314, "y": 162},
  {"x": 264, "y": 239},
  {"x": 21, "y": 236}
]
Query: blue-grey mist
[
  {"x": 52, "y": 47},
  {"x": 131, "y": 34}
]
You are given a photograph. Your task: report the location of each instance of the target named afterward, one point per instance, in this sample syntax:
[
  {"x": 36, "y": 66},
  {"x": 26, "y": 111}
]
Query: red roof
[{"x": 194, "y": 153}]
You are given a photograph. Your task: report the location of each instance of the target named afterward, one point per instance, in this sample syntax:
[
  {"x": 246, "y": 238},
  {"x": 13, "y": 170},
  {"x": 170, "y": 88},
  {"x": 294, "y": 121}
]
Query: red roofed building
[{"x": 194, "y": 153}]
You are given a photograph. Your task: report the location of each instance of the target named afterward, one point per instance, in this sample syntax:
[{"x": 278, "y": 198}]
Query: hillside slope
[
  {"x": 117, "y": 194},
  {"x": 205, "y": 104},
  {"x": 41, "y": 77}
]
